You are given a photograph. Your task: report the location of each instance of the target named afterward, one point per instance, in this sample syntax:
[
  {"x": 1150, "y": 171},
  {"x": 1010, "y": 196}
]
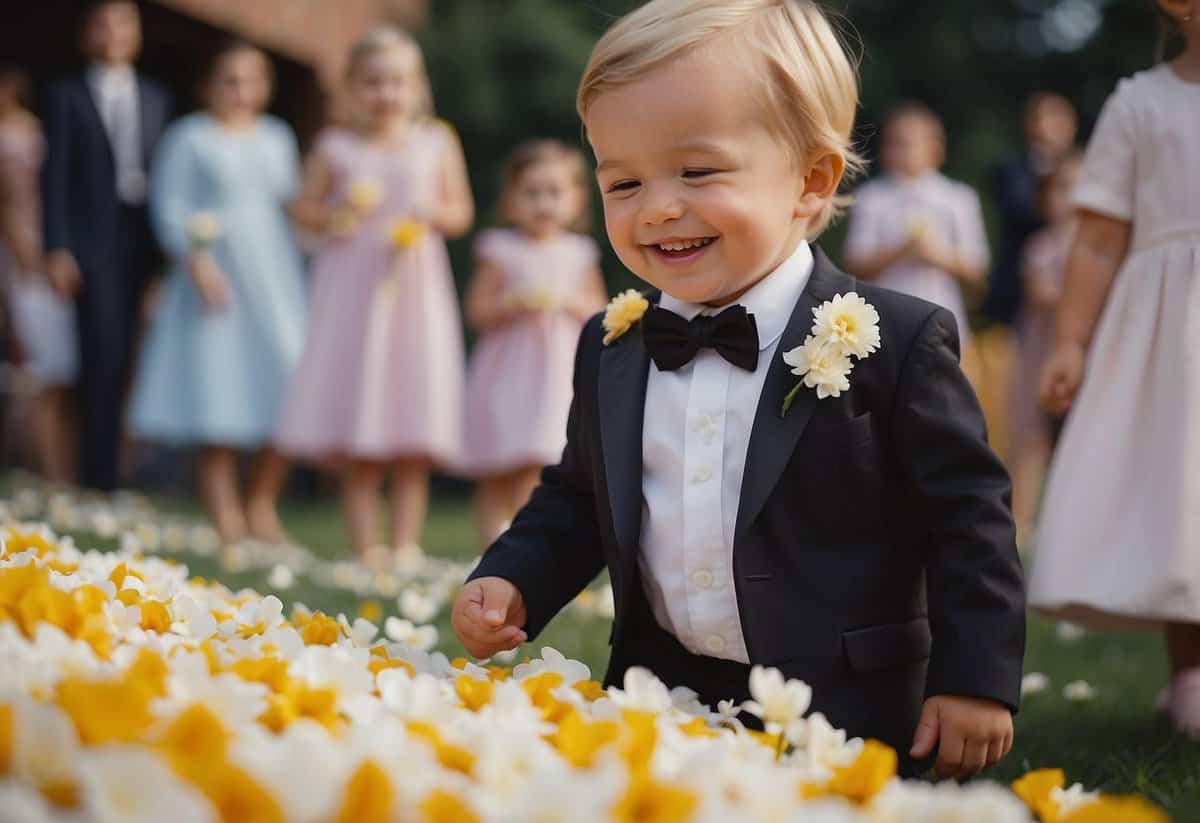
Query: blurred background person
[
  {"x": 536, "y": 282},
  {"x": 1043, "y": 268},
  {"x": 1117, "y": 540},
  {"x": 913, "y": 229},
  {"x": 1050, "y": 126},
  {"x": 229, "y": 326},
  {"x": 379, "y": 389},
  {"x": 101, "y": 129},
  {"x": 43, "y": 322}
]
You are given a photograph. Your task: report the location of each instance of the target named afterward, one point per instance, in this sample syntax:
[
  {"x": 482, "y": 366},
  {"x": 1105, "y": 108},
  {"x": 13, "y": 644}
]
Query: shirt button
[
  {"x": 702, "y": 474},
  {"x": 715, "y": 644},
  {"x": 702, "y": 578}
]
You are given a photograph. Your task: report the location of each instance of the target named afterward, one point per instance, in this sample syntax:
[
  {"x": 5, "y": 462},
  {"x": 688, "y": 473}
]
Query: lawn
[{"x": 1113, "y": 741}]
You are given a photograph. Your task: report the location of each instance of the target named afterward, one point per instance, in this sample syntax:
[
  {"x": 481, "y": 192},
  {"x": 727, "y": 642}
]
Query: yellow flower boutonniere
[
  {"x": 846, "y": 326},
  {"x": 622, "y": 312}
]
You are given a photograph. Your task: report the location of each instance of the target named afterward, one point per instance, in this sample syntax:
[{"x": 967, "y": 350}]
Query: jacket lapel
[
  {"x": 90, "y": 107},
  {"x": 624, "y": 369},
  {"x": 774, "y": 436}
]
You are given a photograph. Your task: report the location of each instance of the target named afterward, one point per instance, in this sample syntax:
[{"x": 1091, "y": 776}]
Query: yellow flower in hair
[
  {"x": 405, "y": 234},
  {"x": 623, "y": 311}
]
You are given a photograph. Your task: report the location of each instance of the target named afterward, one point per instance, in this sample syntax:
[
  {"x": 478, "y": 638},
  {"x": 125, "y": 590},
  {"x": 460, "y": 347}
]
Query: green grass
[{"x": 1114, "y": 742}]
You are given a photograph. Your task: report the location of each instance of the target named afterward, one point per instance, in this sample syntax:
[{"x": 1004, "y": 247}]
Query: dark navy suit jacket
[{"x": 874, "y": 554}]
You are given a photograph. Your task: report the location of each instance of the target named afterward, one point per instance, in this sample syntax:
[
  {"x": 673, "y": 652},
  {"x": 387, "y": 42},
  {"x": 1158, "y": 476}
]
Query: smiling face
[{"x": 701, "y": 198}]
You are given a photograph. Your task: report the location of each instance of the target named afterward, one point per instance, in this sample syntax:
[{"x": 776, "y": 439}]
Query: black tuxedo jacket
[
  {"x": 874, "y": 555},
  {"x": 81, "y": 209}
]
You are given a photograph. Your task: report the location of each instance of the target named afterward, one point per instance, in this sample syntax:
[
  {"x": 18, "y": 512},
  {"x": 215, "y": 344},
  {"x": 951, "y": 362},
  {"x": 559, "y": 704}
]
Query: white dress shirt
[
  {"x": 695, "y": 436},
  {"x": 114, "y": 90}
]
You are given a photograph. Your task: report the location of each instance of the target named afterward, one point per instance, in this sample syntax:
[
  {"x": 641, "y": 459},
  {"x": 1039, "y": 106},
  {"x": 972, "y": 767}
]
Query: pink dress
[
  {"x": 382, "y": 372},
  {"x": 1044, "y": 265},
  {"x": 519, "y": 381}
]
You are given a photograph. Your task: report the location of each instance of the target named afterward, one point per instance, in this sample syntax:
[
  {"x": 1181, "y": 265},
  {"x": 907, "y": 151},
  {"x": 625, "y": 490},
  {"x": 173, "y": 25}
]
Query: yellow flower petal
[{"x": 369, "y": 795}]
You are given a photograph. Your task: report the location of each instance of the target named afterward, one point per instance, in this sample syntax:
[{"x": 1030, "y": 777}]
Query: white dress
[
  {"x": 887, "y": 210},
  {"x": 1119, "y": 540}
]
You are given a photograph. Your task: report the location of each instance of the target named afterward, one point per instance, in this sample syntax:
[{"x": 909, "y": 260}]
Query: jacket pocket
[{"x": 892, "y": 644}]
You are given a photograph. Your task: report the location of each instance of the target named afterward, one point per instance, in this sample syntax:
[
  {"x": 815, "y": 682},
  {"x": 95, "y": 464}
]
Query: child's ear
[{"x": 820, "y": 184}]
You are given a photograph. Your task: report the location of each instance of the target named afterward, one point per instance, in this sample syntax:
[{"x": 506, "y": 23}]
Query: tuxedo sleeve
[
  {"x": 56, "y": 170},
  {"x": 553, "y": 550},
  {"x": 961, "y": 497}
]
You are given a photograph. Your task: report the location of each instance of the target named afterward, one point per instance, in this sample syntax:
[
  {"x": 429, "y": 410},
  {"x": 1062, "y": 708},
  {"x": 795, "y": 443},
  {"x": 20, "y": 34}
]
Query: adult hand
[{"x": 489, "y": 616}]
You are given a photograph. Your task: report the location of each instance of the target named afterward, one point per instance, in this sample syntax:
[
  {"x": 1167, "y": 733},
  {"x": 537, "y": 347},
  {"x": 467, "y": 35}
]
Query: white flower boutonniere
[
  {"x": 845, "y": 327},
  {"x": 622, "y": 312}
]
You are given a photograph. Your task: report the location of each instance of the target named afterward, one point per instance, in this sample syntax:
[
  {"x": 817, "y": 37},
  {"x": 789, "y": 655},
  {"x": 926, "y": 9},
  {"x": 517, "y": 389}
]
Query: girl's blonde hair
[
  {"x": 389, "y": 38},
  {"x": 809, "y": 84},
  {"x": 533, "y": 153}
]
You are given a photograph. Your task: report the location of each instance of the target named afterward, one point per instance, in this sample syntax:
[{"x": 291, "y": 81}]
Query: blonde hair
[
  {"x": 391, "y": 38},
  {"x": 533, "y": 153},
  {"x": 809, "y": 84}
]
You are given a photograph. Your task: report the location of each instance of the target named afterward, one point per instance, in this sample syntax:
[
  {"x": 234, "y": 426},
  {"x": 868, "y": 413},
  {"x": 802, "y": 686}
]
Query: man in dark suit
[
  {"x": 766, "y": 484},
  {"x": 1050, "y": 124},
  {"x": 101, "y": 129}
]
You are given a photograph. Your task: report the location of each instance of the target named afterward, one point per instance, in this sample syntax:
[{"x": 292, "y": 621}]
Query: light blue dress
[{"x": 217, "y": 377}]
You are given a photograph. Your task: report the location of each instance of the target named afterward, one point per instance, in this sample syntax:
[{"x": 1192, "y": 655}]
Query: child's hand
[
  {"x": 1061, "y": 377},
  {"x": 210, "y": 281},
  {"x": 970, "y": 734},
  {"x": 929, "y": 249},
  {"x": 488, "y": 616}
]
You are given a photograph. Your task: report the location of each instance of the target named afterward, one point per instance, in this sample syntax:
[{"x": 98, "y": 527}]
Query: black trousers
[
  {"x": 107, "y": 318},
  {"x": 645, "y": 643}
]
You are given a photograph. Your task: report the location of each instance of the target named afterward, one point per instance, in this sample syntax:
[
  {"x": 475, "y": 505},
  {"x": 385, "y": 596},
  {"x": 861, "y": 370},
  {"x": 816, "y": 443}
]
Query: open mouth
[{"x": 680, "y": 250}]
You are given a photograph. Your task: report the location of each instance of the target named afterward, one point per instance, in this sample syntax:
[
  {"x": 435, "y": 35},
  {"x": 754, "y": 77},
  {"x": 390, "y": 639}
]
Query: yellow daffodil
[
  {"x": 867, "y": 775},
  {"x": 647, "y": 800},
  {"x": 405, "y": 234}
]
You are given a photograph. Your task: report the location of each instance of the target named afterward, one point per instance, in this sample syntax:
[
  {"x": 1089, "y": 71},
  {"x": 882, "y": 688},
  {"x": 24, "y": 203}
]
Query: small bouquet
[
  {"x": 203, "y": 229},
  {"x": 363, "y": 196}
]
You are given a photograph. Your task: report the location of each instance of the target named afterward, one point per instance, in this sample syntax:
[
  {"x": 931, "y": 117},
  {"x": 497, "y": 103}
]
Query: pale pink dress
[
  {"x": 1043, "y": 264},
  {"x": 519, "y": 381},
  {"x": 382, "y": 372},
  {"x": 1119, "y": 539}
]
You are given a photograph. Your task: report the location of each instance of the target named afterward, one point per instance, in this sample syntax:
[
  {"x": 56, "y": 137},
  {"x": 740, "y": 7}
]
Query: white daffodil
[
  {"x": 823, "y": 747},
  {"x": 642, "y": 691},
  {"x": 552, "y": 660},
  {"x": 20, "y": 803},
  {"x": 422, "y": 638},
  {"x": 823, "y": 367},
  {"x": 361, "y": 633},
  {"x": 848, "y": 322},
  {"x": 303, "y": 768},
  {"x": 281, "y": 577},
  {"x": 236, "y": 701},
  {"x": 417, "y": 607},
  {"x": 1034, "y": 683},
  {"x": 340, "y": 668},
  {"x": 1079, "y": 691},
  {"x": 1072, "y": 799},
  {"x": 1069, "y": 632},
  {"x": 778, "y": 703},
  {"x": 132, "y": 784},
  {"x": 45, "y": 747},
  {"x": 412, "y": 698},
  {"x": 192, "y": 619}
]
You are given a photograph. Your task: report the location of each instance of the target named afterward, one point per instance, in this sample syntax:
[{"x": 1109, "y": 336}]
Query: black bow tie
[{"x": 673, "y": 341}]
